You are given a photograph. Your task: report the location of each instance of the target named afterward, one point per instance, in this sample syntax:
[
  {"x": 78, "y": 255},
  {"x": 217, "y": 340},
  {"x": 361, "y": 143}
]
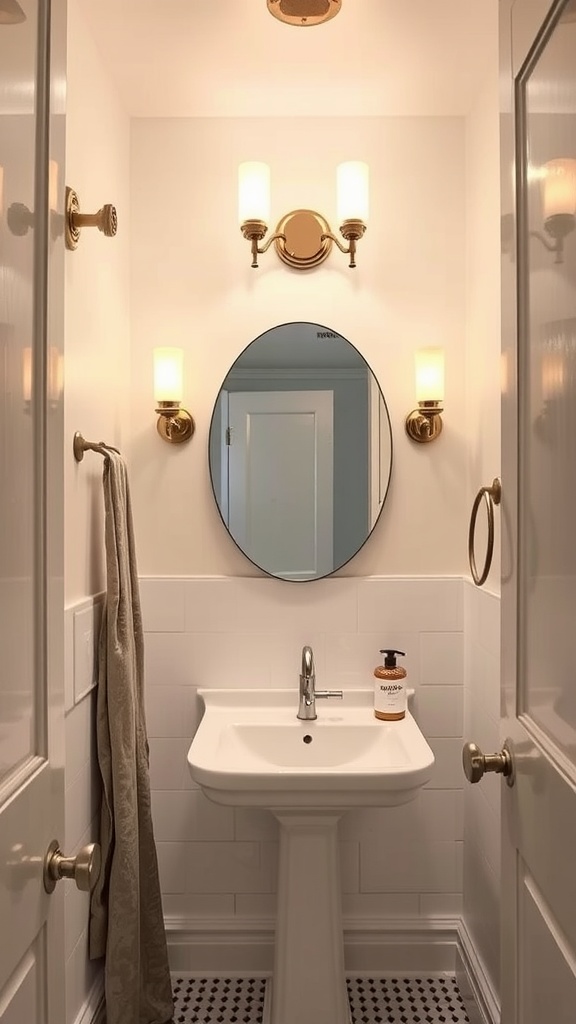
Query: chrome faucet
[{"x": 308, "y": 691}]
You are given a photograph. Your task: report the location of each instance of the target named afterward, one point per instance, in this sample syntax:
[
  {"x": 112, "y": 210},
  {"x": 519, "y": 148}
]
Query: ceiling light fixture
[{"x": 304, "y": 12}]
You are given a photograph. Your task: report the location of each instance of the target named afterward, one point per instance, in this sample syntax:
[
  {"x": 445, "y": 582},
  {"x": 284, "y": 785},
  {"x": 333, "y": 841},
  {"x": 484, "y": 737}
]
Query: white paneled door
[
  {"x": 539, "y": 489},
  {"x": 31, "y": 575}
]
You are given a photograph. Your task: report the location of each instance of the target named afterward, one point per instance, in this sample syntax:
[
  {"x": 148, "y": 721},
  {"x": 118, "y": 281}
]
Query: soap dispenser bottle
[{"x": 390, "y": 688}]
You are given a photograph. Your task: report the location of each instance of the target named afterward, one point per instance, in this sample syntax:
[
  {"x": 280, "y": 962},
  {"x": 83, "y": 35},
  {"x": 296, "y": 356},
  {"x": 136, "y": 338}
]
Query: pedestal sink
[{"x": 250, "y": 750}]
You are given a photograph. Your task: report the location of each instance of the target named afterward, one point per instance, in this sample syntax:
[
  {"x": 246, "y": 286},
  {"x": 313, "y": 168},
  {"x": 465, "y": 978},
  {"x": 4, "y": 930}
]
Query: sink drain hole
[{"x": 307, "y": 738}]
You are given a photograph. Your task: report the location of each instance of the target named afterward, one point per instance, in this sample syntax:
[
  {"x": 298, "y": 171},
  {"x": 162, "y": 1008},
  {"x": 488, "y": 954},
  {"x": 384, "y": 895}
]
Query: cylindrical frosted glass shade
[
  {"x": 559, "y": 187},
  {"x": 353, "y": 192},
  {"x": 430, "y": 375},
  {"x": 168, "y": 374},
  {"x": 253, "y": 191}
]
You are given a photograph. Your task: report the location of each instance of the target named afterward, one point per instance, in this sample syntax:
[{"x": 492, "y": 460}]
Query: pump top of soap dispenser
[{"x": 390, "y": 659}]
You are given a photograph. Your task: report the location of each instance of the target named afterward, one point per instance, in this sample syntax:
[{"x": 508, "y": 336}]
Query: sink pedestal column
[{"x": 309, "y": 982}]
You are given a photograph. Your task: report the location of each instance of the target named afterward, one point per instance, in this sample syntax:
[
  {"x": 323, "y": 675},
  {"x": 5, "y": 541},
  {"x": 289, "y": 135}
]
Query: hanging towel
[{"x": 126, "y": 920}]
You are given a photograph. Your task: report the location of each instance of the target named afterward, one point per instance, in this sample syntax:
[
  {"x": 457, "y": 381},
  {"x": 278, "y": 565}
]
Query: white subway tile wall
[
  {"x": 216, "y": 862},
  {"x": 404, "y": 862}
]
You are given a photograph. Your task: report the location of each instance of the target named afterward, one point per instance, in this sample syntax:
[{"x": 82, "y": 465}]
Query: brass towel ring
[{"x": 492, "y": 496}]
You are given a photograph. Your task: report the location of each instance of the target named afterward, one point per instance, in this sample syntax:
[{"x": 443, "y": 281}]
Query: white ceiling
[{"x": 231, "y": 58}]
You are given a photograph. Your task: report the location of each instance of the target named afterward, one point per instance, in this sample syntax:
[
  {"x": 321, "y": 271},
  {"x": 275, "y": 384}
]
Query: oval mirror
[{"x": 300, "y": 451}]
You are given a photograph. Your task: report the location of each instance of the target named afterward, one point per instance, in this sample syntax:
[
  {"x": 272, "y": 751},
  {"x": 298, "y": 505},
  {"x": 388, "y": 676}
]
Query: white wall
[
  {"x": 483, "y": 332},
  {"x": 192, "y": 285},
  {"x": 96, "y": 387},
  {"x": 97, "y": 326},
  {"x": 482, "y": 607}
]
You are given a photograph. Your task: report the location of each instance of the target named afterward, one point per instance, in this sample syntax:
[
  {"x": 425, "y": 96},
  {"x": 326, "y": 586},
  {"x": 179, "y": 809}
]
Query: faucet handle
[{"x": 338, "y": 694}]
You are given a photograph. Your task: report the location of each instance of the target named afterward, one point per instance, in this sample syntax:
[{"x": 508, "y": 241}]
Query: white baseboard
[
  {"x": 94, "y": 1009},
  {"x": 437, "y": 945},
  {"x": 474, "y": 982},
  {"x": 230, "y": 946}
]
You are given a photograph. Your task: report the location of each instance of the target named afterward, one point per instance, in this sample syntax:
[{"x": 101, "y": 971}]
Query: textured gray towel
[{"x": 126, "y": 922}]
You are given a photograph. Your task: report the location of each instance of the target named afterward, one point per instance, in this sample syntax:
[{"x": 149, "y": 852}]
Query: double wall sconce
[
  {"x": 559, "y": 205},
  {"x": 303, "y": 238},
  {"x": 425, "y": 423},
  {"x": 174, "y": 423}
]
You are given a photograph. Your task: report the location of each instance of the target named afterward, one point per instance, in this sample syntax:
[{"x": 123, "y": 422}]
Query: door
[
  {"x": 31, "y": 494},
  {"x": 539, "y": 499},
  {"x": 281, "y": 480}
]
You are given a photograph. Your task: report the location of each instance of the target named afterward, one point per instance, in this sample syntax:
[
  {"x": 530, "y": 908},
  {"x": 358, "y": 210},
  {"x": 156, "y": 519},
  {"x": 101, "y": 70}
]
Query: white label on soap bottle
[{"x": 390, "y": 696}]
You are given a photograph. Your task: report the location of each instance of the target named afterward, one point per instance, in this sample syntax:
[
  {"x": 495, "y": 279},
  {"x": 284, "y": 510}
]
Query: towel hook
[
  {"x": 106, "y": 220},
  {"x": 80, "y": 445}
]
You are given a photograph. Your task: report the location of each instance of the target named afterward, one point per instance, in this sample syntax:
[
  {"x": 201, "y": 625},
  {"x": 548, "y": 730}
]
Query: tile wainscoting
[
  {"x": 402, "y": 867},
  {"x": 84, "y": 977}
]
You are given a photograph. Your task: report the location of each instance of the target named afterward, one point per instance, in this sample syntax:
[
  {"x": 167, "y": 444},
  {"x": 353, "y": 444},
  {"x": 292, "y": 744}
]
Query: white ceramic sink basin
[{"x": 251, "y": 750}]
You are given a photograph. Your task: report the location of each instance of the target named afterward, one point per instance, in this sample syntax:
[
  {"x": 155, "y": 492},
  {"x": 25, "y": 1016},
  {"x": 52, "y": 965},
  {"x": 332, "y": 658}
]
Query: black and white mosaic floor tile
[
  {"x": 430, "y": 1000},
  {"x": 406, "y": 1001},
  {"x": 218, "y": 1000}
]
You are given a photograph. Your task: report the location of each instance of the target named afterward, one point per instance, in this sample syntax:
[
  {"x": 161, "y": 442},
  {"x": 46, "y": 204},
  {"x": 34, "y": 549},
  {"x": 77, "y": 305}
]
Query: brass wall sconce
[
  {"x": 174, "y": 423},
  {"x": 106, "y": 220},
  {"x": 424, "y": 424},
  {"x": 559, "y": 203},
  {"x": 304, "y": 12},
  {"x": 303, "y": 238}
]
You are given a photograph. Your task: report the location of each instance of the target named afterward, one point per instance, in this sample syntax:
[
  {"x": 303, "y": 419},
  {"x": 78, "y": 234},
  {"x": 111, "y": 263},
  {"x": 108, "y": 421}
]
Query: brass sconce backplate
[
  {"x": 424, "y": 424},
  {"x": 305, "y": 246},
  {"x": 174, "y": 424},
  {"x": 304, "y": 12}
]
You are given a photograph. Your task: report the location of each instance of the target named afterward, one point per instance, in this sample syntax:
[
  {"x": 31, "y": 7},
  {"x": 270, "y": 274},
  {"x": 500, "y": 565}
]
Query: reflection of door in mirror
[
  {"x": 219, "y": 455},
  {"x": 380, "y": 451},
  {"x": 281, "y": 473},
  {"x": 300, "y": 451}
]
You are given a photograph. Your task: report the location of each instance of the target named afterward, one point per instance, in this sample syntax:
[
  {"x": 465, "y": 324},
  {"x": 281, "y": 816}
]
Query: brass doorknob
[
  {"x": 475, "y": 763},
  {"x": 84, "y": 868}
]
